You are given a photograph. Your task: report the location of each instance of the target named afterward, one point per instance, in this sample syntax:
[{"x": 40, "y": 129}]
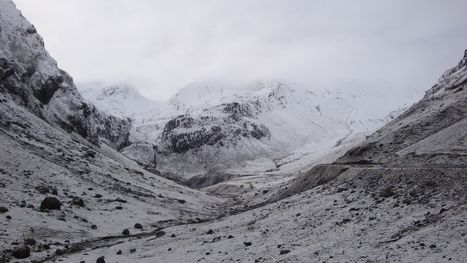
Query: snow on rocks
[{"x": 207, "y": 131}]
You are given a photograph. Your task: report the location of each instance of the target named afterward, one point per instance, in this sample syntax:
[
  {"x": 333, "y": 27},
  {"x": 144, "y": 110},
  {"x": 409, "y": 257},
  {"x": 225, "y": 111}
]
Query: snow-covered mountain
[
  {"x": 399, "y": 196},
  {"x": 210, "y": 129},
  {"x": 68, "y": 195},
  {"x": 31, "y": 78},
  {"x": 62, "y": 179}
]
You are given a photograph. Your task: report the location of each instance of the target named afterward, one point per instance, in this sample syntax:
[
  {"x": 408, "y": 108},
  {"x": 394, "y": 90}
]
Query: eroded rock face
[
  {"x": 185, "y": 133},
  {"x": 31, "y": 78}
]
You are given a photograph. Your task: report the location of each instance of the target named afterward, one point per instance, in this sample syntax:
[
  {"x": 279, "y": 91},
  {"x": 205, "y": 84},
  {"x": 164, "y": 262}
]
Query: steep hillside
[
  {"x": 432, "y": 132},
  {"x": 30, "y": 77},
  {"x": 62, "y": 179},
  {"x": 69, "y": 192}
]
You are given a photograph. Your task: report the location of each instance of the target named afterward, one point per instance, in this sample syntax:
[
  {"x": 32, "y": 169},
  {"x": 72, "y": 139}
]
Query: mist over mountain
[
  {"x": 225, "y": 171},
  {"x": 160, "y": 47},
  {"x": 210, "y": 130}
]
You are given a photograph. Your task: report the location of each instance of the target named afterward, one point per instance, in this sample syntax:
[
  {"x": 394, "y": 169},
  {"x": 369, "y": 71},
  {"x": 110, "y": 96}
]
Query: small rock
[
  {"x": 119, "y": 200},
  {"x": 284, "y": 251},
  {"x": 160, "y": 233},
  {"x": 100, "y": 260},
  {"x": 210, "y": 232},
  {"x": 50, "y": 203},
  {"x": 45, "y": 189},
  {"x": 119, "y": 252},
  {"x": 77, "y": 201},
  {"x": 230, "y": 237},
  {"x": 21, "y": 252},
  {"x": 133, "y": 250},
  {"x": 3, "y": 209},
  {"x": 30, "y": 241},
  {"x": 93, "y": 227},
  {"x": 90, "y": 154},
  {"x": 173, "y": 235},
  {"x": 247, "y": 244},
  {"x": 387, "y": 192},
  {"x": 138, "y": 226},
  {"x": 126, "y": 232},
  {"x": 97, "y": 196},
  {"x": 433, "y": 246}
]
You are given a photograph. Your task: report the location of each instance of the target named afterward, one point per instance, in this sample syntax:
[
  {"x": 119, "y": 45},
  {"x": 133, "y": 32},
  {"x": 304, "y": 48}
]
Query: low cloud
[{"x": 161, "y": 46}]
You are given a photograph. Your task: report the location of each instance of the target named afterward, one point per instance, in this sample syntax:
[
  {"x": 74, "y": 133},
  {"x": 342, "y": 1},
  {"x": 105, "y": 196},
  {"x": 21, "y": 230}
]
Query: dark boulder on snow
[
  {"x": 21, "y": 252},
  {"x": 77, "y": 202},
  {"x": 50, "y": 203},
  {"x": 100, "y": 260},
  {"x": 3, "y": 210}
]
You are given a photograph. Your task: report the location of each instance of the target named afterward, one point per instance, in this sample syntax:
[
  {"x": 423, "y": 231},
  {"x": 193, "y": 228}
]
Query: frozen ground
[
  {"x": 351, "y": 219},
  {"x": 38, "y": 160},
  {"x": 67, "y": 194}
]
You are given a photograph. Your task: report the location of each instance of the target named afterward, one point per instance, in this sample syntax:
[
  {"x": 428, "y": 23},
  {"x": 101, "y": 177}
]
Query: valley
[{"x": 266, "y": 172}]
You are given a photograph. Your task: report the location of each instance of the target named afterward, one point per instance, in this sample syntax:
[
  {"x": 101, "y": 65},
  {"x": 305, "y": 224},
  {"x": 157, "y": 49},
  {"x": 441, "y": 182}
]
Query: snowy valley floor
[{"x": 365, "y": 214}]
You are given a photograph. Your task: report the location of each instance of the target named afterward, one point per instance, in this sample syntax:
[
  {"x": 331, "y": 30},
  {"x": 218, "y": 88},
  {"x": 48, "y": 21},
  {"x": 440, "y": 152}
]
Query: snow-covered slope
[
  {"x": 431, "y": 132},
  {"x": 393, "y": 207},
  {"x": 31, "y": 77},
  {"x": 400, "y": 196},
  {"x": 397, "y": 208},
  {"x": 210, "y": 129},
  {"x": 62, "y": 179}
]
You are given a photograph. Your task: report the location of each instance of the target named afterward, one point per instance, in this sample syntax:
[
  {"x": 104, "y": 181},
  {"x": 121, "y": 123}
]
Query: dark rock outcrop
[
  {"x": 31, "y": 78},
  {"x": 185, "y": 132},
  {"x": 50, "y": 203},
  {"x": 21, "y": 252}
]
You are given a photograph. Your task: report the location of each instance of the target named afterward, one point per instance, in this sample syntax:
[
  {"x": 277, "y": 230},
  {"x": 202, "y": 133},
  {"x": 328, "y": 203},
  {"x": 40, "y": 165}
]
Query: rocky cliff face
[
  {"x": 57, "y": 189},
  {"x": 29, "y": 76},
  {"x": 185, "y": 133}
]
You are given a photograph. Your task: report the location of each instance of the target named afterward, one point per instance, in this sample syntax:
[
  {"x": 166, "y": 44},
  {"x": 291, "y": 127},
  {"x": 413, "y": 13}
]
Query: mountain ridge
[{"x": 243, "y": 122}]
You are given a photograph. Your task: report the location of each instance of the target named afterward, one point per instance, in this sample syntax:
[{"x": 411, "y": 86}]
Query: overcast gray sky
[{"x": 160, "y": 46}]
